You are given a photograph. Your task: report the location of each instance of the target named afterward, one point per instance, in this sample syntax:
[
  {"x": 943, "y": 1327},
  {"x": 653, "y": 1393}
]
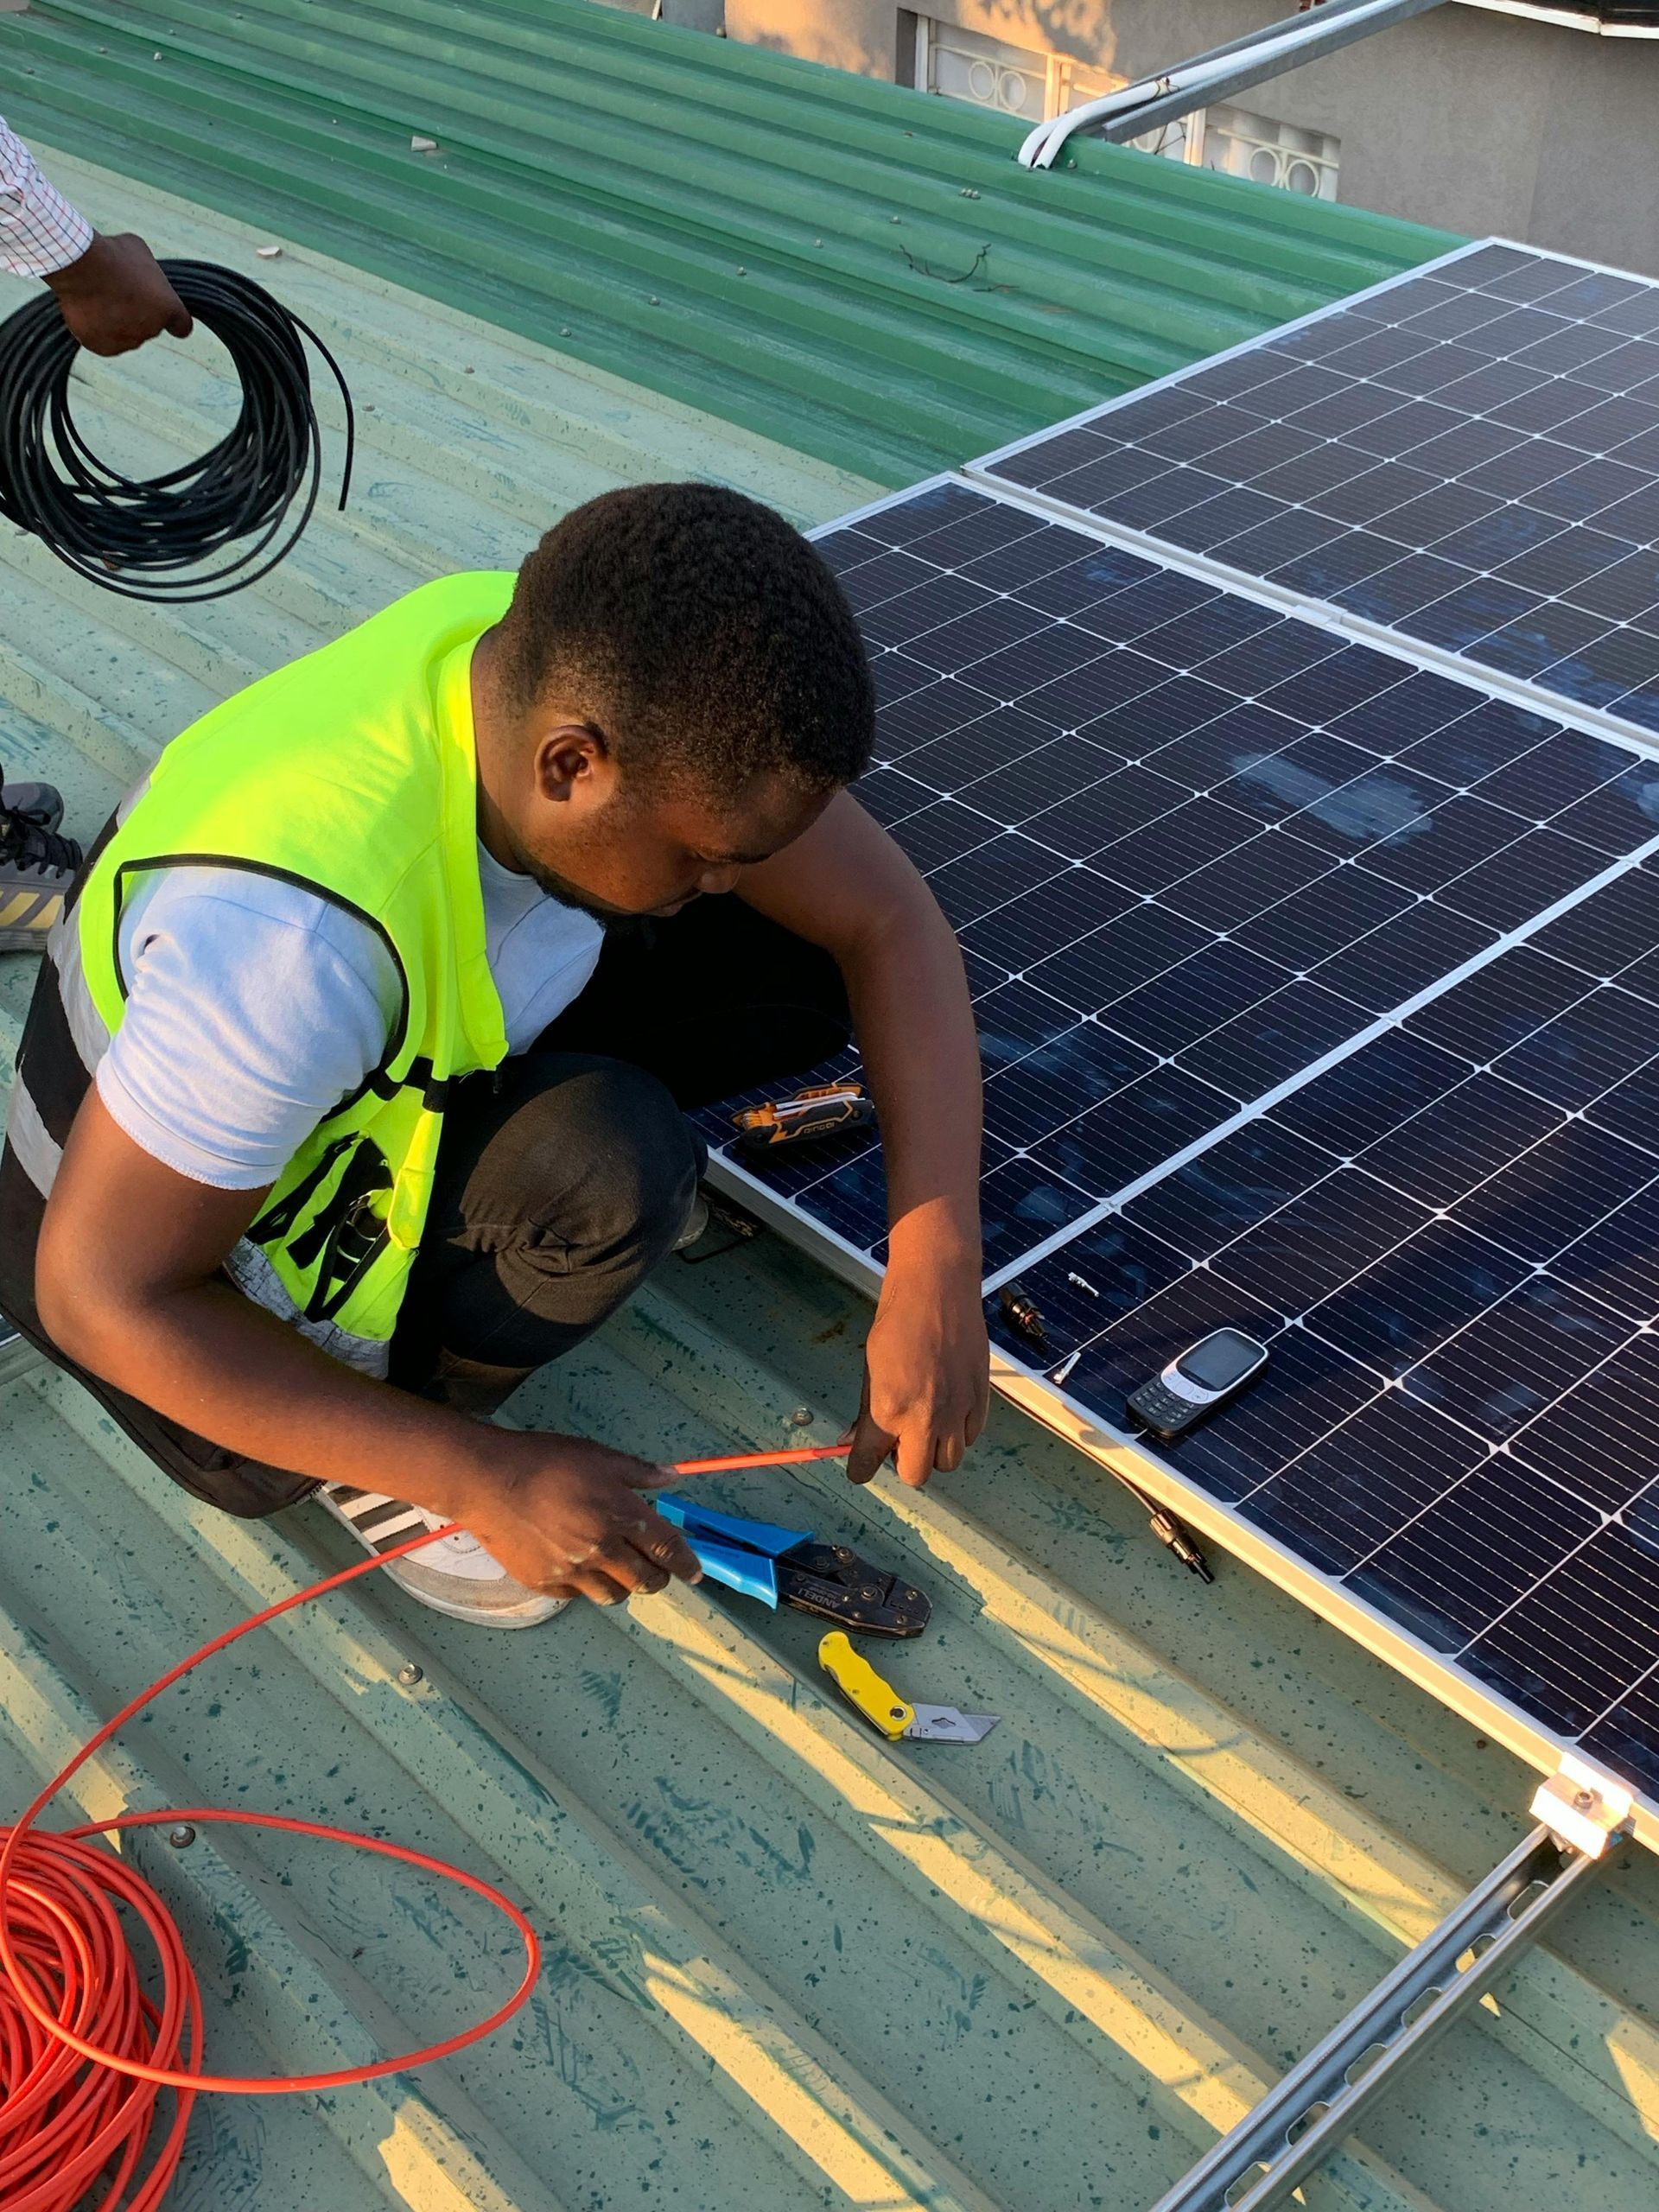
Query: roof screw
[
  {"x": 891, "y": 219},
  {"x": 801, "y": 1417},
  {"x": 741, "y": 270},
  {"x": 466, "y": 372},
  {"x": 409, "y": 1675},
  {"x": 564, "y": 330},
  {"x": 182, "y": 1837},
  {"x": 817, "y": 241},
  {"x": 655, "y": 301}
]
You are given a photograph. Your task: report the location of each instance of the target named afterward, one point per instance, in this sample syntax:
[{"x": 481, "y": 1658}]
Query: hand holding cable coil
[{"x": 197, "y": 532}]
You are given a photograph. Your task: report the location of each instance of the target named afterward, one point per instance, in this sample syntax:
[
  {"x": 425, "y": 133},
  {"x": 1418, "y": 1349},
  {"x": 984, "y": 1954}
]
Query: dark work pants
[{"x": 561, "y": 1185}]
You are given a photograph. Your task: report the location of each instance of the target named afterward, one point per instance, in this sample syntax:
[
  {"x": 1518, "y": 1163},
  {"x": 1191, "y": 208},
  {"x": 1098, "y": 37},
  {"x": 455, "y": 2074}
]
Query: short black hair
[{"x": 713, "y": 640}]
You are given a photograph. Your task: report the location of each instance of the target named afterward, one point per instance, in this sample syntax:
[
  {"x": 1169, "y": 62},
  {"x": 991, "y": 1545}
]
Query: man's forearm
[
  {"x": 915, "y": 1026},
  {"x": 40, "y": 233},
  {"x": 126, "y": 1282},
  {"x": 926, "y": 1361},
  {"x": 204, "y": 1356},
  {"x": 846, "y": 886}
]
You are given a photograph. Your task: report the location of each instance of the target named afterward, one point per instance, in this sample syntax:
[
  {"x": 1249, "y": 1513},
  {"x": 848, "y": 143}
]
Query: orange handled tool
[{"x": 828, "y": 1109}]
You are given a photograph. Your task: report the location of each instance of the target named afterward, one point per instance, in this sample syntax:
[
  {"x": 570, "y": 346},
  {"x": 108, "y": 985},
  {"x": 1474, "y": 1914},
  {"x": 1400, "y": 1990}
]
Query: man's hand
[
  {"x": 565, "y": 1515},
  {"x": 926, "y": 1370},
  {"x": 116, "y": 296}
]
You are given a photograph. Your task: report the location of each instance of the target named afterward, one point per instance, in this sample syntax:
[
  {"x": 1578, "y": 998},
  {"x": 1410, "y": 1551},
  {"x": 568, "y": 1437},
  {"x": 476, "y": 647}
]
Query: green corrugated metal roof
[
  {"x": 790, "y": 1966},
  {"x": 854, "y": 268}
]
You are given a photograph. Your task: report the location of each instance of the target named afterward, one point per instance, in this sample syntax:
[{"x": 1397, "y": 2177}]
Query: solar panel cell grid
[
  {"x": 1454, "y": 1276},
  {"x": 1200, "y": 857},
  {"x": 1580, "y": 1639},
  {"x": 1345, "y": 1497},
  {"x": 1627, "y": 1738},
  {"x": 1517, "y": 1360},
  {"x": 1245, "y": 890},
  {"x": 1474, "y": 468},
  {"x": 1472, "y": 1554}
]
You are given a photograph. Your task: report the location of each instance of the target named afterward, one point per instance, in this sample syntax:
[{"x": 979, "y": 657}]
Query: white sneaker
[
  {"x": 697, "y": 1224},
  {"x": 455, "y": 1575}
]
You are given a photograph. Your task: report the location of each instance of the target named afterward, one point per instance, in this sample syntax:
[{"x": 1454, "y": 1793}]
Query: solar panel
[
  {"x": 1319, "y": 996},
  {"x": 1450, "y": 1242},
  {"x": 1468, "y": 454}
]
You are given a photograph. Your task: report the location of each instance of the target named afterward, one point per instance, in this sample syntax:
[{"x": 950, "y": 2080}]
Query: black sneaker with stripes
[{"x": 37, "y": 865}]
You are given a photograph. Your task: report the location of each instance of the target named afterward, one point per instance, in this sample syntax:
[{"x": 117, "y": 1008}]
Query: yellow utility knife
[{"x": 882, "y": 1706}]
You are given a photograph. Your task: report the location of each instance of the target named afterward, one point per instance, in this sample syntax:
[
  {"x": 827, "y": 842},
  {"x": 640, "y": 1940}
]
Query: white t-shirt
[{"x": 253, "y": 1008}]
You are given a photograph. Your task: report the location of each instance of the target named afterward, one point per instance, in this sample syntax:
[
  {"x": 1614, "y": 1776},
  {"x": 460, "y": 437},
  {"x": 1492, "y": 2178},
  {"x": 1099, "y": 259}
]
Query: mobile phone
[{"x": 1197, "y": 1381}]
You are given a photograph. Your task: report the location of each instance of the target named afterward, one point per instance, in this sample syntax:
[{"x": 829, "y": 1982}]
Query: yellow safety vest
[{"x": 353, "y": 773}]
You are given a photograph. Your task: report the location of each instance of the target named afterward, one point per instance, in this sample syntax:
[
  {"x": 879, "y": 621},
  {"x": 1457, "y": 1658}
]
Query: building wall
[{"x": 1476, "y": 121}]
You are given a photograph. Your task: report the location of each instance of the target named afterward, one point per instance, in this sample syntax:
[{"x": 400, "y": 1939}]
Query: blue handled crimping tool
[{"x": 788, "y": 1566}]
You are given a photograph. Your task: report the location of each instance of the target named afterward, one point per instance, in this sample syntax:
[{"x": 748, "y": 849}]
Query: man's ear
[{"x": 571, "y": 756}]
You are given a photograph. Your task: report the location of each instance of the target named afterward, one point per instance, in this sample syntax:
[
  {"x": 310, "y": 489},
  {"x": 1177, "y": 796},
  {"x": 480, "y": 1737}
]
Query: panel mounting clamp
[{"x": 1584, "y": 1809}]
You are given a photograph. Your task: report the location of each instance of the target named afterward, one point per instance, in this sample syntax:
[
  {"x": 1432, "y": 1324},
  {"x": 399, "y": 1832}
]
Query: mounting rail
[
  {"x": 1584, "y": 1819},
  {"x": 1135, "y": 110}
]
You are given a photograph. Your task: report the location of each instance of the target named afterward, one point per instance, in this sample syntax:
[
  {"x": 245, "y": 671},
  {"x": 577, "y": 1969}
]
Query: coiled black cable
[{"x": 139, "y": 537}]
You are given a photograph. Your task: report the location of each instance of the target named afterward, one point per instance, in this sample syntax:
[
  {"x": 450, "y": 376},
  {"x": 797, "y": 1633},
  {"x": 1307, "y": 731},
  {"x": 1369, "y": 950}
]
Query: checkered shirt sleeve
[{"x": 40, "y": 231}]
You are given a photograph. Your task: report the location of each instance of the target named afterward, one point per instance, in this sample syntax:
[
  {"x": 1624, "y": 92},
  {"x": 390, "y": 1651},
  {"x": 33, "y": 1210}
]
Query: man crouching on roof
[{"x": 354, "y": 1084}]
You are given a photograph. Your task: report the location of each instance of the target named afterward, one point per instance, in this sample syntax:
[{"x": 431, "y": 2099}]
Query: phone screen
[{"x": 1220, "y": 1360}]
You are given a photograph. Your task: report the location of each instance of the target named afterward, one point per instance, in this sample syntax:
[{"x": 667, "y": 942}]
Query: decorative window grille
[
  {"x": 1016, "y": 80},
  {"x": 1255, "y": 146}
]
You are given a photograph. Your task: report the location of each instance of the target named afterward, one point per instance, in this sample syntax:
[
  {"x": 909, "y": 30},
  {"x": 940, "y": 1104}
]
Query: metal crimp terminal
[{"x": 1583, "y": 1807}]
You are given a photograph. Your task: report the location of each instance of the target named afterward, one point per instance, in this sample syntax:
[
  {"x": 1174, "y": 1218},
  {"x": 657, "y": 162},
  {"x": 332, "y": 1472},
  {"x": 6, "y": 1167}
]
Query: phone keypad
[{"x": 1161, "y": 1410}]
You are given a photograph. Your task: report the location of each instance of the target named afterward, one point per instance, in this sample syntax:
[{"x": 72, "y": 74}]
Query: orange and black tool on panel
[{"x": 826, "y": 1109}]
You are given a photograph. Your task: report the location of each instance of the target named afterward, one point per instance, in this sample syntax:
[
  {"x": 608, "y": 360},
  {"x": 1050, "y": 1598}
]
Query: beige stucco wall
[{"x": 1479, "y": 122}]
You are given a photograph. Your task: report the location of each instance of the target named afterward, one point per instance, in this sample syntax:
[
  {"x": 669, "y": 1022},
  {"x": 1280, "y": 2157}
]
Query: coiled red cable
[{"x": 84, "y": 2051}]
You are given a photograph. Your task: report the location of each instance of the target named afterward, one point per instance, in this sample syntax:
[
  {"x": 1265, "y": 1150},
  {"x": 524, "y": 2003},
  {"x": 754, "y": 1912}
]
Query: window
[
  {"x": 1018, "y": 81},
  {"x": 968, "y": 66},
  {"x": 1255, "y": 146}
]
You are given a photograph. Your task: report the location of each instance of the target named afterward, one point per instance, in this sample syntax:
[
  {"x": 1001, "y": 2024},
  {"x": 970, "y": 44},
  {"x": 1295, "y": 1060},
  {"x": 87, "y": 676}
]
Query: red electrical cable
[{"x": 83, "y": 2049}]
